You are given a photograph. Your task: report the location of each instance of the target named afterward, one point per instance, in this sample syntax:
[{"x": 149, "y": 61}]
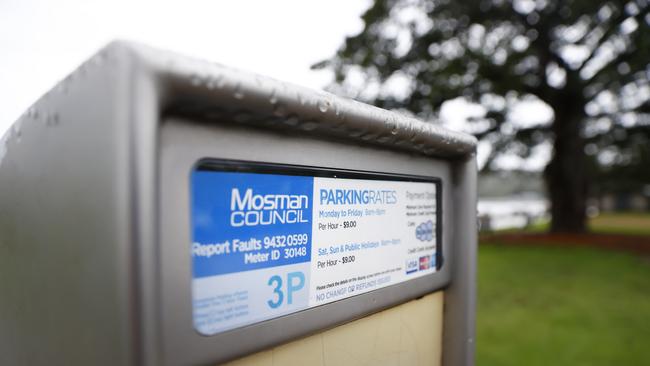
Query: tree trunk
[{"x": 566, "y": 173}]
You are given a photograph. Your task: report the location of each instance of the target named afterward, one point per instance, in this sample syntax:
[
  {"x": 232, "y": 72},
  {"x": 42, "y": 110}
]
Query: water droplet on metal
[
  {"x": 417, "y": 130},
  {"x": 239, "y": 93},
  {"x": 52, "y": 119},
  {"x": 301, "y": 100},
  {"x": 81, "y": 70},
  {"x": 309, "y": 125},
  {"x": 32, "y": 113},
  {"x": 280, "y": 110},
  {"x": 62, "y": 87},
  {"x": 273, "y": 99},
  {"x": 391, "y": 125},
  {"x": 18, "y": 133},
  {"x": 292, "y": 121},
  {"x": 369, "y": 137},
  {"x": 401, "y": 142},
  {"x": 323, "y": 105},
  {"x": 215, "y": 82},
  {"x": 356, "y": 133},
  {"x": 221, "y": 83},
  {"x": 99, "y": 59},
  {"x": 195, "y": 80},
  {"x": 383, "y": 139}
]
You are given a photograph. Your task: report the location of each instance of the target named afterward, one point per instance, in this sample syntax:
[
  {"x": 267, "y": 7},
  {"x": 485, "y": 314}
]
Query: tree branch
[{"x": 639, "y": 17}]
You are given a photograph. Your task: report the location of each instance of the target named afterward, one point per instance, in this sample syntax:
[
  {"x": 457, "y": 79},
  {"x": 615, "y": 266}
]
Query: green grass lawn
[
  {"x": 621, "y": 223},
  {"x": 562, "y": 306}
]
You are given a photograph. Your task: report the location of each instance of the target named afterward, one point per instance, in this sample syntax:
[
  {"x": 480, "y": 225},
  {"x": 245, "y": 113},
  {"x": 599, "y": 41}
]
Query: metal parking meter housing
[{"x": 94, "y": 195}]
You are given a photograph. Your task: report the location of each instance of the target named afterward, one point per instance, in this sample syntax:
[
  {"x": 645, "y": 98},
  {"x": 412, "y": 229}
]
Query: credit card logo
[
  {"x": 424, "y": 231},
  {"x": 425, "y": 263},
  {"x": 411, "y": 266}
]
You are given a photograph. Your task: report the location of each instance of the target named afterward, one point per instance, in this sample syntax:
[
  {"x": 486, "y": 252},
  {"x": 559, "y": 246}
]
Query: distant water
[{"x": 511, "y": 212}]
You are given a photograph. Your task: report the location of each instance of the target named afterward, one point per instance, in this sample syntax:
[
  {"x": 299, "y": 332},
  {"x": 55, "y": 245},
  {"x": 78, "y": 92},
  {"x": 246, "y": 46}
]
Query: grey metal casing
[{"x": 94, "y": 267}]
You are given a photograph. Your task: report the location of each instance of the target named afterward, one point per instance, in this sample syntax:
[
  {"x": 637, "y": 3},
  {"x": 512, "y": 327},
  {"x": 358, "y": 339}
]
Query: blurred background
[{"x": 557, "y": 92}]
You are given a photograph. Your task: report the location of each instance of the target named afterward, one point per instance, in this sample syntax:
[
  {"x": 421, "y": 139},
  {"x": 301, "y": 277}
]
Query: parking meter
[{"x": 160, "y": 210}]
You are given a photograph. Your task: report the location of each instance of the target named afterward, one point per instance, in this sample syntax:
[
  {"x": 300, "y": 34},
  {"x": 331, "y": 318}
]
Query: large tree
[{"x": 587, "y": 60}]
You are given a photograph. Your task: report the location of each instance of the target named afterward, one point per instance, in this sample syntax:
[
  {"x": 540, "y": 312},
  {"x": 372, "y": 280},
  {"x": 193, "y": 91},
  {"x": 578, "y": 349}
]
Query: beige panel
[{"x": 409, "y": 334}]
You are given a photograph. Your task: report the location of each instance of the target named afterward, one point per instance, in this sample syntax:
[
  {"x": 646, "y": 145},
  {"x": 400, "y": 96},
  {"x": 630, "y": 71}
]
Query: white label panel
[{"x": 267, "y": 245}]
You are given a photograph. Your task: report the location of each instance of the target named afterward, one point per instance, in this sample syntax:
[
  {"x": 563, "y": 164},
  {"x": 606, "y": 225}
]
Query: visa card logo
[{"x": 411, "y": 265}]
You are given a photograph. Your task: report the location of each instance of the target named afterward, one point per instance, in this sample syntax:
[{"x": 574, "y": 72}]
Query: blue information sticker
[
  {"x": 266, "y": 245},
  {"x": 229, "y": 209}
]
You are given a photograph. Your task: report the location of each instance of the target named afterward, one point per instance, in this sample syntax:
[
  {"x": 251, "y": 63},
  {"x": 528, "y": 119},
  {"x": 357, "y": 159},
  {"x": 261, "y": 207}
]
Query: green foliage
[
  {"x": 588, "y": 60},
  {"x": 559, "y": 306}
]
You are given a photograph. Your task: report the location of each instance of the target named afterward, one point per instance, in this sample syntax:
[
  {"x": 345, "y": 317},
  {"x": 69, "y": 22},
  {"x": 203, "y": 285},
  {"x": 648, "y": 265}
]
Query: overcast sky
[{"x": 42, "y": 41}]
